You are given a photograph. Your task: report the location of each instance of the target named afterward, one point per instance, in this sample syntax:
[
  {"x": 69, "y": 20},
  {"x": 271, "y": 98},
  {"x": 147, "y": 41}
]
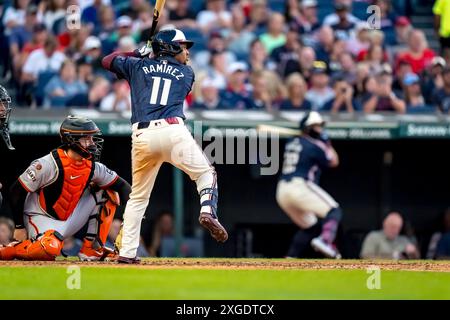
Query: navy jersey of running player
[
  {"x": 304, "y": 157},
  {"x": 158, "y": 86}
]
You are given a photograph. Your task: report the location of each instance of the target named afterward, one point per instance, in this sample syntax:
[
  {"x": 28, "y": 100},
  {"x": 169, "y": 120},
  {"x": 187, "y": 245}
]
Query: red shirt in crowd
[{"x": 418, "y": 64}]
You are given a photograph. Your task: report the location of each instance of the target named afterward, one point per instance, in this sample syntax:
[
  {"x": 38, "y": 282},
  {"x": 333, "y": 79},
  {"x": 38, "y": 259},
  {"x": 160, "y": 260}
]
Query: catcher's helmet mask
[
  {"x": 5, "y": 112},
  {"x": 307, "y": 123},
  {"x": 168, "y": 43},
  {"x": 75, "y": 128}
]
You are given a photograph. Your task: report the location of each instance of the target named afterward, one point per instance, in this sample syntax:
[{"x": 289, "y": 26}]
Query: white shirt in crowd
[
  {"x": 206, "y": 17},
  {"x": 107, "y": 103},
  {"x": 38, "y": 62}
]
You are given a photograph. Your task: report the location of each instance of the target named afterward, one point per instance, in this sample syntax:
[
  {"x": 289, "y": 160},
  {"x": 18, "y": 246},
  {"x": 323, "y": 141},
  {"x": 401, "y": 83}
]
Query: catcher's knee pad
[{"x": 47, "y": 247}]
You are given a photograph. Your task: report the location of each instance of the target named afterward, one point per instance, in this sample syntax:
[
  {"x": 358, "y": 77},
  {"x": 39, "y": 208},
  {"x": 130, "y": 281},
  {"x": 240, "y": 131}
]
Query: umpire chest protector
[{"x": 60, "y": 198}]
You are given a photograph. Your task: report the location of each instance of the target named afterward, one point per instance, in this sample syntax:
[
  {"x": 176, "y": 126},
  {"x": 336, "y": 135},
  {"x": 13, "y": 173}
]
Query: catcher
[{"x": 61, "y": 192}]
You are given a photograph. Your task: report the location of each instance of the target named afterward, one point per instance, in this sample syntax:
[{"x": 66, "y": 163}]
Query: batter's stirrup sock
[
  {"x": 330, "y": 225},
  {"x": 208, "y": 201}
]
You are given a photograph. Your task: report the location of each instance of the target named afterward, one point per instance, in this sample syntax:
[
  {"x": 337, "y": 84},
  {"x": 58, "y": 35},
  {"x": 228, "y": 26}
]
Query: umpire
[{"x": 5, "y": 110}]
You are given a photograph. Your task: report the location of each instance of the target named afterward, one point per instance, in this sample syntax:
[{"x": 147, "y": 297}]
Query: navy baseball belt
[{"x": 146, "y": 124}]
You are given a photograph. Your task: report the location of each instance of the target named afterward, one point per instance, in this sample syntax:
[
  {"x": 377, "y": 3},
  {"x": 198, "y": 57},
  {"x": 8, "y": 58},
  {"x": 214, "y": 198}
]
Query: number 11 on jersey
[{"x": 165, "y": 91}]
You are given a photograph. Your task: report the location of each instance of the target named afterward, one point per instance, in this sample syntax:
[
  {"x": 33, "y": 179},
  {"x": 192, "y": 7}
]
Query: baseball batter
[
  {"x": 298, "y": 192},
  {"x": 60, "y": 192},
  {"x": 159, "y": 86}
]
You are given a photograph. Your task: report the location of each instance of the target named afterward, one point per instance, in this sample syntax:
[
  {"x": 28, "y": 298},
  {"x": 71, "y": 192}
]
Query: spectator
[
  {"x": 307, "y": 58},
  {"x": 287, "y": 56},
  {"x": 306, "y": 23},
  {"x": 143, "y": 23},
  {"x": 55, "y": 10},
  {"x": 343, "y": 98},
  {"x": 127, "y": 44},
  {"x": 259, "y": 17},
  {"x": 296, "y": 89},
  {"x": 320, "y": 92},
  {"x": 259, "y": 59},
  {"x": 216, "y": 42},
  {"x": 14, "y": 15},
  {"x": 40, "y": 60},
  {"x": 132, "y": 11},
  {"x": 92, "y": 50},
  {"x": 375, "y": 57},
  {"x": 209, "y": 96},
  {"x": 107, "y": 23},
  {"x": 415, "y": 102},
  {"x": 333, "y": 18},
  {"x": 216, "y": 16},
  {"x": 325, "y": 44},
  {"x": 334, "y": 64},
  {"x": 64, "y": 86},
  {"x": 164, "y": 227},
  {"x": 384, "y": 99},
  {"x": 239, "y": 38},
  {"x": 442, "y": 23},
  {"x": 119, "y": 99},
  {"x": 402, "y": 29},
  {"x": 6, "y": 231},
  {"x": 387, "y": 20},
  {"x": 124, "y": 28},
  {"x": 366, "y": 90},
  {"x": 439, "y": 247},
  {"x": 402, "y": 70},
  {"x": 217, "y": 69},
  {"x": 418, "y": 54},
  {"x": 236, "y": 95},
  {"x": 182, "y": 16},
  {"x": 90, "y": 15},
  {"x": 362, "y": 74},
  {"x": 275, "y": 36},
  {"x": 343, "y": 28},
  {"x": 360, "y": 41},
  {"x": 441, "y": 96},
  {"x": 388, "y": 243},
  {"x": 346, "y": 68},
  {"x": 92, "y": 99},
  {"x": 260, "y": 97},
  {"x": 85, "y": 71},
  {"x": 432, "y": 78}
]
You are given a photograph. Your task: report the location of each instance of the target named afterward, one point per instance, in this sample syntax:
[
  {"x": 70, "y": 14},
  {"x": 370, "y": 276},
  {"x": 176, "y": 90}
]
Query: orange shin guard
[
  {"x": 46, "y": 248},
  {"x": 107, "y": 215}
]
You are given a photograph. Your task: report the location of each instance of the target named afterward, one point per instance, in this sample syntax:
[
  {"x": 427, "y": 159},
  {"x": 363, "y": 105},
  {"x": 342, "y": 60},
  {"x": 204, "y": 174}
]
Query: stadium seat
[{"x": 43, "y": 79}]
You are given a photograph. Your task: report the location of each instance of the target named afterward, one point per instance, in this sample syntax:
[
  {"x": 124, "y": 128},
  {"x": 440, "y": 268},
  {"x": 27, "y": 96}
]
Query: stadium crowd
[{"x": 249, "y": 54}]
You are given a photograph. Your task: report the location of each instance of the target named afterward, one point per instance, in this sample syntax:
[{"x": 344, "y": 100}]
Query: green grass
[{"x": 49, "y": 282}]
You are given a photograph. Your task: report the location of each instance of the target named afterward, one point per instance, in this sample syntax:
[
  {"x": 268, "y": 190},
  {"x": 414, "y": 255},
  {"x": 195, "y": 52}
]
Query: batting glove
[{"x": 143, "y": 51}]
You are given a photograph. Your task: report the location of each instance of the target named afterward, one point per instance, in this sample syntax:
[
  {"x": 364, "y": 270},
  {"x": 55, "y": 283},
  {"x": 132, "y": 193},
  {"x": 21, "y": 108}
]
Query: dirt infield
[{"x": 248, "y": 264}]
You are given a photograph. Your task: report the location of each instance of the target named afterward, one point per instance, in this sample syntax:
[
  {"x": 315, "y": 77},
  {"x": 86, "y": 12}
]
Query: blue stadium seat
[
  {"x": 42, "y": 80},
  {"x": 359, "y": 10},
  {"x": 277, "y": 6}
]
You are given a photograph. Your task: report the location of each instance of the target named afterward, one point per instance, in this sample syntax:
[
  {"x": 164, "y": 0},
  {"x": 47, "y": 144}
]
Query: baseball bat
[
  {"x": 159, "y": 5},
  {"x": 282, "y": 131}
]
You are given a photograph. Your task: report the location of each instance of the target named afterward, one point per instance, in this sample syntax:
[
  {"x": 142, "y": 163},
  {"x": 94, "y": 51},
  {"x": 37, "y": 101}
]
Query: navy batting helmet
[
  {"x": 168, "y": 42},
  {"x": 73, "y": 129}
]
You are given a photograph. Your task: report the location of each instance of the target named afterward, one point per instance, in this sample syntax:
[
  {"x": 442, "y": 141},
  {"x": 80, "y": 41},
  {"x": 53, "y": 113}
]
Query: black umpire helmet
[
  {"x": 168, "y": 42},
  {"x": 5, "y": 112},
  {"x": 73, "y": 129}
]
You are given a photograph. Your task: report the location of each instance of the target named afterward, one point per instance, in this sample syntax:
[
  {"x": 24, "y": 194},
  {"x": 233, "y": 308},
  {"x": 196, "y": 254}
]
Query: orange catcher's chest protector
[{"x": 60, "y": 198}]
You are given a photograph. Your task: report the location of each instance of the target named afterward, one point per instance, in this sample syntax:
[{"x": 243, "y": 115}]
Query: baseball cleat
[
  {"x": 126, "y": 260},
  {"x": 217, "y": 231},
  {"x": 88, "y": 253},
  {"x": 326, "y": 249}
]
